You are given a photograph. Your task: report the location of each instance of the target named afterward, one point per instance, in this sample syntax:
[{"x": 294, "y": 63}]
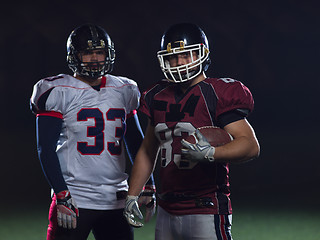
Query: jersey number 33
[{"x": 98, "y": 131}]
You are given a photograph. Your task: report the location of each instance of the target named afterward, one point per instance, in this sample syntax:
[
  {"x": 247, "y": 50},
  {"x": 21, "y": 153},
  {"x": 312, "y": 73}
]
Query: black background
[{"x": 271, "y": 46}]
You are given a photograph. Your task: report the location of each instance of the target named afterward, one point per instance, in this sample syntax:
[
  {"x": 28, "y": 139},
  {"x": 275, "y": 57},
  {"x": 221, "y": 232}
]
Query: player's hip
[{"x": 193, "y": 226}]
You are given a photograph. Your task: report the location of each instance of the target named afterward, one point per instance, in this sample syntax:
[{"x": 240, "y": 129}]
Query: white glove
[
  {"x": 67, "y": 210},
  {"x": 148, "y": 198},
  {"x": 131, "y": 210},
  {"x": 201, "y": 151}
]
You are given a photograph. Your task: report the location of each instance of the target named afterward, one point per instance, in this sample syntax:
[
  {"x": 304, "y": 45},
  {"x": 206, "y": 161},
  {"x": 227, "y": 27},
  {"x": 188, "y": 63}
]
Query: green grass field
[{"x": 248, "y": 224}]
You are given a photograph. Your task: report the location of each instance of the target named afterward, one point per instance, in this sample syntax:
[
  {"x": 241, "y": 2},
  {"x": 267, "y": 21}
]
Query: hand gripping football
[{"x": 215, "y": 136}]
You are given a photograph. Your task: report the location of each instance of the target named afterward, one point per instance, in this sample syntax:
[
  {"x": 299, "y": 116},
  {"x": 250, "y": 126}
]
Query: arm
[
  {"x": 48, "y": 131},
  {"x": 144, "y": 163},
  {"x": 133, "y": 136},
  {"x": 244, "y": 146},
  {"x": 133, "y": 139},
  {"x": 142, "y": 169}
]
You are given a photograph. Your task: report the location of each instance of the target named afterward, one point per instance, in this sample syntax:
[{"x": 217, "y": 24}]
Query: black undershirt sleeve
[
  {"x": 232, "y": 116},
  {"x": 48, "y": 131}
]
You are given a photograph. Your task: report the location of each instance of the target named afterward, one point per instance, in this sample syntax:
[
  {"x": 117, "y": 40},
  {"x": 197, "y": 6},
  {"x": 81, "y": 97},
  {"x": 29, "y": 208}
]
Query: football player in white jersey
[{"x": 84, "y": 122}]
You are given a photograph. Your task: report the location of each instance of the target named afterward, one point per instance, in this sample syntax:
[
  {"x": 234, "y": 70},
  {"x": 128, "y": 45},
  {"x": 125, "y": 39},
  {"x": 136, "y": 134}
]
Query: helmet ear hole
[
  {"x": 86, "y": 38},
  {"x": 206, "y": 64}
]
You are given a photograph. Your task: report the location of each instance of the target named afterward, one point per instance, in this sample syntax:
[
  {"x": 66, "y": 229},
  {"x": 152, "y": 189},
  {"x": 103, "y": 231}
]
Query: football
[{"x": 215, "y": 136}]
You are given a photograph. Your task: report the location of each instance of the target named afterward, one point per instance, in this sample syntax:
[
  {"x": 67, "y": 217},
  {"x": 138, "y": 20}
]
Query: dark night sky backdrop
[{"x": 271, "y": 46}]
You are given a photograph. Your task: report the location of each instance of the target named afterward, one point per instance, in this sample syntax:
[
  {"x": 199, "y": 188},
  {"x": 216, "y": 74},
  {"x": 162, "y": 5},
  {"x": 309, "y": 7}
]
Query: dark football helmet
[
  {"x": 187, "y": 39},
  {"x": 85, "y": 38}
]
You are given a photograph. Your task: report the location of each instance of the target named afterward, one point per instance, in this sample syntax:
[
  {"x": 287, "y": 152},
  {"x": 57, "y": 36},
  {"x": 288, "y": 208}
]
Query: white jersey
[{"x": 90, "y": 149}]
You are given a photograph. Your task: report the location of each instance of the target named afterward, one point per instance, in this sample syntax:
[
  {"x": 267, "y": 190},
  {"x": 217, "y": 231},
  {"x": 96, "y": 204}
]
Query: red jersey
[{"x": 174, "y": 115}]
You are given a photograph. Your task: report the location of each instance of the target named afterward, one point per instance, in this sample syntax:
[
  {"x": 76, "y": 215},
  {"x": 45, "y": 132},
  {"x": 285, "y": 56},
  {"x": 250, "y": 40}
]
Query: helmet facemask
[
  {"x": 198, "y": 54},
  {"x": 96, "y": 68},
  {"x": 92, "y": 69},
  {"x": 85, "y": 39}
]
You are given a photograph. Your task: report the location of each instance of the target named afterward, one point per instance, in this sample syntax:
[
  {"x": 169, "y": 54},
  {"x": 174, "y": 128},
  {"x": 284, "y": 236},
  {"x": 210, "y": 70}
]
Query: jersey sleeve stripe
[{"x": 51, "y": 113}]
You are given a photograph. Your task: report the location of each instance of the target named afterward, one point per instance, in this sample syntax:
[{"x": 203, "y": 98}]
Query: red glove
[{"x": 67, "y": 210}]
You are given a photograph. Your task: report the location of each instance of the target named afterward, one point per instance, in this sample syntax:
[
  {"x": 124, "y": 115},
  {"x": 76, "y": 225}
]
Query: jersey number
[
  {"x": 97, "y": 131},
  {"x": 167, "y": 136}
]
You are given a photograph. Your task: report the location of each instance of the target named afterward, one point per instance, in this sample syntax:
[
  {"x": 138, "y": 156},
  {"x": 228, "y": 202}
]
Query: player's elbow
[{"x": 254, "y": 150}]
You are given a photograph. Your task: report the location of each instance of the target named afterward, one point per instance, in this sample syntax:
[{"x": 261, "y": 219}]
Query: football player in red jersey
[
  {"x": 84, "y": 123},
  {"x": 194, "y": 198}
]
